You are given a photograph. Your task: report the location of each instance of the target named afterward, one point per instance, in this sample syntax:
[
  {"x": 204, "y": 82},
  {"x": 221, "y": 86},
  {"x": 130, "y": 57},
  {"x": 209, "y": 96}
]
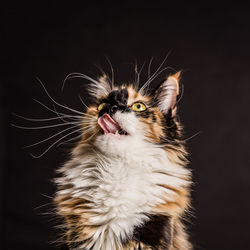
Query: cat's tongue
[{"x": 107, "y": 124}]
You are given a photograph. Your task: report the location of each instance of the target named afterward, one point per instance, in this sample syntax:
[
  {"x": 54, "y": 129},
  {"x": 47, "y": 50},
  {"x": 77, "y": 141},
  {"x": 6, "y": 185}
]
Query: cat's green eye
[
  {"x": 101, "y": 106},
  {"x": 138, "y": 106}
]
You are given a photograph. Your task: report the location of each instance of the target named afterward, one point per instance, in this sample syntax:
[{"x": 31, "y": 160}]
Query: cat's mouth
[{"x": 109, "y": 125}]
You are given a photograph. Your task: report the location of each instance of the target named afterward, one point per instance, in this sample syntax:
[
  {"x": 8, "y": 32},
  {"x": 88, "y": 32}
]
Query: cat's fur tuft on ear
[{"x": 167, "y": 93}]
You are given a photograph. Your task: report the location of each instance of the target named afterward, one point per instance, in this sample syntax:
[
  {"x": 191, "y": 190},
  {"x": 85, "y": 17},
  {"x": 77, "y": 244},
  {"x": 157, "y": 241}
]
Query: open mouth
[{"x": 108, "y": 125}]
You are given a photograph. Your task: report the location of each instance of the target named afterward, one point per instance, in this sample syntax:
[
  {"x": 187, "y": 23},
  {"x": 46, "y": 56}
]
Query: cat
[{"x": 126, "y": 185}]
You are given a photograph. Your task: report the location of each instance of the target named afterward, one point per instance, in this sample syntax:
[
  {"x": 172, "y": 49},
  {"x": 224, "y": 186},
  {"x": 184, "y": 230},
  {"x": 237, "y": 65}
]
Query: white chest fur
[{"x": 122, "y": 190}]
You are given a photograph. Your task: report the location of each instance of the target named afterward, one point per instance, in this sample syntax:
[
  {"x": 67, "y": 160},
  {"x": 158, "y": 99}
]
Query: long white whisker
[
  {"x": 138, "y": 76},
  {"x": 86, "y": 122},
  {"x": 157, "y": 70},
  {"x": 88, "y": 129},
  {"x": 89, "y": 116},
  {"x": 85, "y": 131},
  {"x": 152, "y": 78},
  {"x": 149, "y": 72},
  {"x": 55, "y": 102},
  {"x": 58, "y": 114},
  {"x": 112, "y": 72},
  {"x": 73, "y": 116},
  {"x": 149, "y": 67},
  {"x": 83, "y": 102},
  {"x": 37, "y": 143},
  {"x": 77, "y": 75},
  {"x": 45, "y": 127},
  {"x": 38, "y": 156},
  {"x": 76, "y": 137},
  {"x": 39, "y": 119},
  {"x": 192, "y": 136},
  {"x": 91, "y": 136},
  {"x": 182, "y": 140}
]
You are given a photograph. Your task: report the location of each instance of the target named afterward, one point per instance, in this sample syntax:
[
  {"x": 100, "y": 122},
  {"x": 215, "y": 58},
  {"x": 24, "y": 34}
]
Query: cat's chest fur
[{"x": 122, "y": 192}]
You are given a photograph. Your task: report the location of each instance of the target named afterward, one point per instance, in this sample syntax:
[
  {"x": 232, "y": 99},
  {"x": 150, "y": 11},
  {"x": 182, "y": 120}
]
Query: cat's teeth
[{"x": 116, "y": 132}]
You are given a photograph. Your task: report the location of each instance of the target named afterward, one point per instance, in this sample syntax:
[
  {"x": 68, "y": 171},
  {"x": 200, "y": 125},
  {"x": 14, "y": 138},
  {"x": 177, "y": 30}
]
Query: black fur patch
[
  {"x": 156, "y": 232},
  {"x": 170, "y": 128},
  {"x": 74, "y": 244},
  {"x": 117, "y": 100}
]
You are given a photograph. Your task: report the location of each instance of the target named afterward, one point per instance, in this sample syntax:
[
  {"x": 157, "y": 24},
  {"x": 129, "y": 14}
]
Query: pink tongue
[{"x": 107, "y": 124}]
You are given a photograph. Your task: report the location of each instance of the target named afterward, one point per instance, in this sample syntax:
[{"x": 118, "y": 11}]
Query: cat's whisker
[
  {"x": 38, "y": 119},
  {"x": 112, "y": 72},
  {"x": 85, "y": 130},
  {"x": 149, "y": 71},
  {"x": 191, "y": 137},
  {"x": 78, "y": 75},
  {"x": 156, "y": 73},
  {"x": 53, "y": 144},
  {"x": 149, "y": 80},
  {"x": 85, "y": 121},
  {"x": 76, "y": 137},
  {"x": 83, "y": 102},
  {"x": 181, "y": 140},
  {"x": 72, "y": 116},
  {"x": 149, "y": 67},
  {"x": 89, "y": 115},
  {"x": 138, "y": 75},
  {"x": 37, "y": 143},
  {"x": 45, "y": 127},
  {"x": 59, "y": 115},
  {"x": 92, "y": 136},
  {"x": 57, "y": 103},
  {"x": 41, "y": 206},
  {"x": 152, "y": 78},
  {"x": 89, "y": 128}
]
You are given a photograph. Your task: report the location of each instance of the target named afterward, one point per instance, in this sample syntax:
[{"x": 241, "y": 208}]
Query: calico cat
[{"x": 126, "y": 185}]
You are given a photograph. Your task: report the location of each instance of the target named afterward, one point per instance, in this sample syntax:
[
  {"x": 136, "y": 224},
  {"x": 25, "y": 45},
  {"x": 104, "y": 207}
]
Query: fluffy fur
[{"x": 127, "y": 191}]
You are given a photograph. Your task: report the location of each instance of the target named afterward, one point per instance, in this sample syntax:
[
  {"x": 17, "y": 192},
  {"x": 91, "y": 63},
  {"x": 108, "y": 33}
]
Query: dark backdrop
[{"x": 210, "y": 44}]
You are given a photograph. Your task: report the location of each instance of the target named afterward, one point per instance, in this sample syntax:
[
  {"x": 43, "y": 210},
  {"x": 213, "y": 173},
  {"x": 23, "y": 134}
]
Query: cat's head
[{"x": 123, "y": 116}]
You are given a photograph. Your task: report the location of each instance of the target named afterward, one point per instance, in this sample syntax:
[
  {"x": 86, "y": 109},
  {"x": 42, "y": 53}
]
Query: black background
[{"x": 210, "y": 44}]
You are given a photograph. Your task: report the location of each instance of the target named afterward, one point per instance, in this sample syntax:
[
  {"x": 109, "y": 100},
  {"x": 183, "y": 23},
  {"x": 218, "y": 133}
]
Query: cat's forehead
[{"x": 126, "y": 95}]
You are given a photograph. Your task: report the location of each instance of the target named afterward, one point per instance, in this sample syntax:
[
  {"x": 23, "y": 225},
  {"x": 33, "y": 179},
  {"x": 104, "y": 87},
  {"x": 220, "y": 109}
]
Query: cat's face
[{"x": 122, "y": 116}]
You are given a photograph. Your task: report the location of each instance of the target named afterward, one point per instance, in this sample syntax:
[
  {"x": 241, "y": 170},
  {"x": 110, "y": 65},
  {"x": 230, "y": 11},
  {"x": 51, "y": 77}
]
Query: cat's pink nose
[{"x": 107, "y": 124}]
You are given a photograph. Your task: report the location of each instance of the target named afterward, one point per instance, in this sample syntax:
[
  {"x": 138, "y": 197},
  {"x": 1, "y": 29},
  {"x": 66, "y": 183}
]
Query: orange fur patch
[
  {"x": 134, "y": 96},
  {"x": 77, "y": 214},
  {"x": 178, "y": 206}
]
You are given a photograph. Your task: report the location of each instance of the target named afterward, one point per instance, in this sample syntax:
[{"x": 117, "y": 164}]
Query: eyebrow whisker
[{"x": 77, "y": 75}]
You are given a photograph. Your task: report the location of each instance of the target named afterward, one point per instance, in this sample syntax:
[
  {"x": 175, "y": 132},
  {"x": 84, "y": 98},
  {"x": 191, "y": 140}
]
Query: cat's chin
[
  {"x": 116, "y": 144},
  {"x": 116, "y": 136},
  {"x": 113, "y": 137}
]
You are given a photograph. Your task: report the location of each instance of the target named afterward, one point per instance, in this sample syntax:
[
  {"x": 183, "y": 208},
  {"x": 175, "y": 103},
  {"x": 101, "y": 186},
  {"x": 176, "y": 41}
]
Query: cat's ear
[
  {"x": 166, "y": 94},
  {"x": 101, "y": 87}
]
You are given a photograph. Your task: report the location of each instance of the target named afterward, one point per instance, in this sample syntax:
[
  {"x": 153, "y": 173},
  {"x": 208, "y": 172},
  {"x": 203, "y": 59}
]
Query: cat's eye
[
  {"x": 101, "y": 106},
  {"x": 138, "y": 106}
]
